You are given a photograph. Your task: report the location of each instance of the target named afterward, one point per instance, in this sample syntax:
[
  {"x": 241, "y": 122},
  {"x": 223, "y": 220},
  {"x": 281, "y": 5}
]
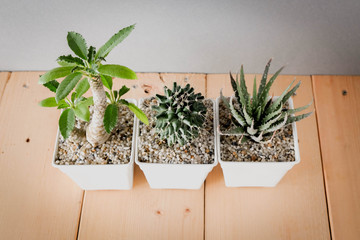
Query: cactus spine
[{"x": 180, "y": 114}]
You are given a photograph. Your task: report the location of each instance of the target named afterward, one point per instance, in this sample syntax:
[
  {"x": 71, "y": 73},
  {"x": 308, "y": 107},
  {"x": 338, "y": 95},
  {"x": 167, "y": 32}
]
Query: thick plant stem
[{"x": 95, "y": 132}]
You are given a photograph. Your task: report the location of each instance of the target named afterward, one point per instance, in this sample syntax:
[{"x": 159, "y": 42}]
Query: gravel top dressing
[
  {"x": 154, "y": 150},
  {"x": 116, "y": 150},
  {"x": 280, "y": 149}
]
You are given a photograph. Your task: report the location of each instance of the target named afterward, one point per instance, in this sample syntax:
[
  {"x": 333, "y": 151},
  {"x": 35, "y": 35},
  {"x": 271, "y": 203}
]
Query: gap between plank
[
  {"x": 81, "y": 212},
  {"x": 321, "y": 155},
  {"x": 204, "y": 228}
]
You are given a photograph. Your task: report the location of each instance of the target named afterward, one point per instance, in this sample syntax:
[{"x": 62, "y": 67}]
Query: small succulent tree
[
  {"x": 83, "y": 72},
  {"x": 180, "y": 114},
  {"x": 259, "y": 116}
]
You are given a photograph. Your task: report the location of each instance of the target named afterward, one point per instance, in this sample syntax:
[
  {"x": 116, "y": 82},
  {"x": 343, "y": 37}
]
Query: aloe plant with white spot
[
  {"x": 259, "y": 117},
  {"x": 84, "y": 71}
]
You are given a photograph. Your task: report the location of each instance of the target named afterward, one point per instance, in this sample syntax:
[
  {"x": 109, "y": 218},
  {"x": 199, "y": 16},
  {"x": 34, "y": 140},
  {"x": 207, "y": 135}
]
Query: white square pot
[
  {"x": 176, "y": 176},
  {"x": 101, "y": 177},
  {"x": 255, "y": 174}
]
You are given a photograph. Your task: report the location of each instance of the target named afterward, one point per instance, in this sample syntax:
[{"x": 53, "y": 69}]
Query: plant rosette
[
  {"x": 255, "y": 164},
  {"x": 257, "y": 140},
  {"x": 178, "y": 165},
  {"x": 109, "y": 166}
]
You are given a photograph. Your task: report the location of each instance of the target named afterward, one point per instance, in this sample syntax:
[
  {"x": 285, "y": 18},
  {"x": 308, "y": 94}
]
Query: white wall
[{"x": 312, "y": 37}]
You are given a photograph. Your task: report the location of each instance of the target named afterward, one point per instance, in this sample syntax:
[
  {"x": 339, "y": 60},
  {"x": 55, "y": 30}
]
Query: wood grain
[
  {"x": 339, "y": 129},
  {"x": 4, "y": 78},
  {"x": 144, "y": 213},
  {"x": 37, "y": 201},
  {"x": 295, "y": 209}
]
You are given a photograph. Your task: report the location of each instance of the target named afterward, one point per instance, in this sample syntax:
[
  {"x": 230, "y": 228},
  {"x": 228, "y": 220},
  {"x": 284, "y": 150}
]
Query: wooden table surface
[{"x": 317, "y": 199}]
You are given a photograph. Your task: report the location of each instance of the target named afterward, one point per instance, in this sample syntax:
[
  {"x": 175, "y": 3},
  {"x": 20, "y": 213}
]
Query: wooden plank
[
  {"x": 144, "y": 213},
  {"x": 196, "y": 80},
  {"x": 4, "y": 77},
  {"x": 339, "y": 131},
  {"x": 37, "y": 201},
  {"x": 147, "y": 84},
  {"x": 295, "y": 209}
]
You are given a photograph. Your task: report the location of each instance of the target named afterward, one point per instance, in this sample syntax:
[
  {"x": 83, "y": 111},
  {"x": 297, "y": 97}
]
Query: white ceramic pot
[
  {"x": 101, "y": 177},
  {"x": 255, "y": 174},
  {"x": 175, "y": 176}
]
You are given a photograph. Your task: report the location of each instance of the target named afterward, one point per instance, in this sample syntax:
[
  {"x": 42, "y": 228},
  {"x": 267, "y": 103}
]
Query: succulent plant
[
  {"x": 258, "y": 117},
  {"x": 87, "y": 71},
  {"x": 180, "y": 114}
]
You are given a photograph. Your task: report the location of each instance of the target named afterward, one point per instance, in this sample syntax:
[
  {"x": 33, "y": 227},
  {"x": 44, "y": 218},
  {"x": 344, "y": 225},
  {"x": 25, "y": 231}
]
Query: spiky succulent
[
  {"x": 258, "y": 117},
  {"x": 180, "y": 114}
]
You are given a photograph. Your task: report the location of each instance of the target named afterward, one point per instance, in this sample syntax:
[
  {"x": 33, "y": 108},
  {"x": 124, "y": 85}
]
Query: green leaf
[
  {"x": 265, "y": 92},
  {"x": 247, "y": 117},
  {"x": 107, "y": 81},
  {"x": 273, "y": 114},
  {"x": 137, "y": 111},
  {"x": 115, "y": 95},
  {"x": 91, "y": 54},
  {"x": 82, "y": 112},
  {"x": 48, "y": 102},
  {"x": 73, "y": 96},
  {"x": 67, "y": 85},
  {"x": 278, "y": 125},
  {"x": 52, "y": 85},
  {"x": 69, "y": 61},
  {"x": 224, "y": 100},
  {"x": 63, "y": 104},
  {"x": 236, "y": 114},
  {"x": 254, "y": 94},
  {"x": 266, "y": 125},
  {"x": 243, "y": 87},
  {"x": 114, "y": 41},
  {"x": 264, "y": 77},
  {"x": 291, "y": 92},
  {"x": 234, "y": 131},
  {"x": 292, "y": 111},
  {"x": 123, "y": 91},
  {"x": 67, "y": 122},
  {"x": 108, "y": 95},
  {"x": 292, "y": 119},
  {"x": 110, "y": 117},
  {"x": 54, "y": 74},
  {"x": 236, "y": 88},
  {"x": 77, "y": 44},
  {"x": 277, "y": 102},
  {"x": 139, "y": 114},
  {"x": 87, "y": 101},
  {"x": 117, "y": 71},
  {"x": 82, "y": 87}
]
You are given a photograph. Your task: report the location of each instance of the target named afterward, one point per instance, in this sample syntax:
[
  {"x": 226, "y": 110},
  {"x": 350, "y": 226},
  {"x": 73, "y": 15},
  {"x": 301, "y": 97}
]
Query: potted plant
[
  {"x": 177, "y": 149},
  {"x": 258, "y": 140},
  {"x": 95, "y": 141}
]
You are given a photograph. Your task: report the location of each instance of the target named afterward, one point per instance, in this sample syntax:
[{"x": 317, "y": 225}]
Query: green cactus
[
  {"x": 260, "y": 116},
  {"x": 180, "y": 114}
]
